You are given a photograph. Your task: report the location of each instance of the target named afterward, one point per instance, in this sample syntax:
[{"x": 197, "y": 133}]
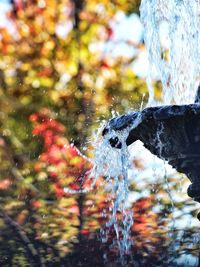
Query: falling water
[
  {"x": 172, "y": 36},
  {"x": 176, "y": 65},
  {"x": 114, "y": 164},
  {"x": 176, "y": 62}
]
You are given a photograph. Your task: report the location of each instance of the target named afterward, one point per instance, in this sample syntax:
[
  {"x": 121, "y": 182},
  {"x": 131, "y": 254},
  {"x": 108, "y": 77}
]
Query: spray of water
[
  {"x": 177, "y": 65},
  {"x": 116, "y": 171},
  {"x": 113, "y": 165},
  {"x": 176, "y": 62}
]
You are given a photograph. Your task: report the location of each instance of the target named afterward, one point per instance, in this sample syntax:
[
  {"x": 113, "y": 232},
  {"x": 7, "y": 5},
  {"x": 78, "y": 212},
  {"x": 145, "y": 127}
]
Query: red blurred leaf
[{"x": 5, "y": 184}]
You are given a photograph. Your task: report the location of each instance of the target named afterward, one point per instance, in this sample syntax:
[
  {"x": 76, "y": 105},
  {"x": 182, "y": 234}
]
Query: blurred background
[{"x": 65, "y": 66}]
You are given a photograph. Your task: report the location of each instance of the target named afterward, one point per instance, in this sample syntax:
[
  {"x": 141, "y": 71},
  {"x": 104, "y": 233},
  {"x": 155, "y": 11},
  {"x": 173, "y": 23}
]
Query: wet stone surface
[{"x": 170, "y": 132}]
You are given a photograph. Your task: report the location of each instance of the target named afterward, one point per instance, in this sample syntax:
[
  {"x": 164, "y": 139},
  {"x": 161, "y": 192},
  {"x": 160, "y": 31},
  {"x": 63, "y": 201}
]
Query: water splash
[
  {"x": 121, "y": 219},
  {"x": 114, "y": 164},
  {"x": 177, "y": 67},
  {"x": 176, "y": 62}
]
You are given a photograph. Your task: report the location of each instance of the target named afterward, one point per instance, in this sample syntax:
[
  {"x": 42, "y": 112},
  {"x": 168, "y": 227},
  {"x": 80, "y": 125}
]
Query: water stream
[
  {"x": 171, "y": 34},
  {"x": 176, "y": 64}
]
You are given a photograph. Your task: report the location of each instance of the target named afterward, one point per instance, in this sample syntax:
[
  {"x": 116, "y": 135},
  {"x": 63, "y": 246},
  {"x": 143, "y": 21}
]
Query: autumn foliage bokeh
[{"x": 59, "y": 78}]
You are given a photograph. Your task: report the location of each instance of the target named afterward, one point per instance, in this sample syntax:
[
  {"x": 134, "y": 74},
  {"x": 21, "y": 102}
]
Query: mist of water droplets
[
  {"x": 176, "y": 63},
  {"x": 113, "y": 163}
]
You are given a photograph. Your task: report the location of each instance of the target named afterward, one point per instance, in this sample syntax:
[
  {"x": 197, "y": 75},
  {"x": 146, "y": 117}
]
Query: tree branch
[
  {"x": 78, "y": 6},
  {"x": 17, "y": 229}
]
